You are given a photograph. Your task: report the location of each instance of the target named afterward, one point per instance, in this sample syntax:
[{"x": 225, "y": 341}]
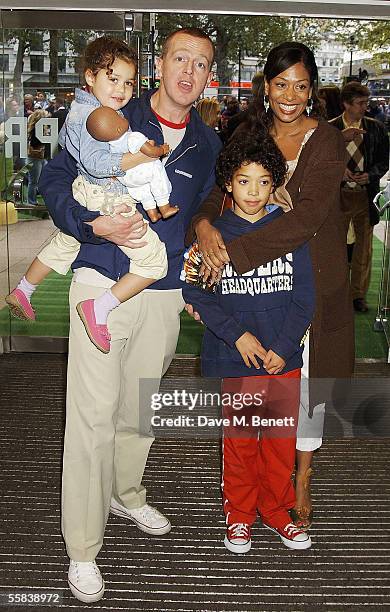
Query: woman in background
[
  {"x": 209, "y": 111},
  {"x": 36, "y": 155}
]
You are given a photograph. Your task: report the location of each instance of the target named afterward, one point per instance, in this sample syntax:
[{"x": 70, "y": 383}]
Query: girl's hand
[
  {"x": 273, "y": 364},
  {"x": 249, "y": 348},
  {"x": 131, "y": 160}
]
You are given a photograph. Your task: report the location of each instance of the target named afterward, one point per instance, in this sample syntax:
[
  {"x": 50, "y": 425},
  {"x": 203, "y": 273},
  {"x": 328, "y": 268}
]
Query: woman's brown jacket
[{"x": 316, "y": 218}]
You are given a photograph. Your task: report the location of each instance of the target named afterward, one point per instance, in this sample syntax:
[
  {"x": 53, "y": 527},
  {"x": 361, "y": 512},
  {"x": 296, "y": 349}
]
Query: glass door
[{"x": 40, "y": 70}]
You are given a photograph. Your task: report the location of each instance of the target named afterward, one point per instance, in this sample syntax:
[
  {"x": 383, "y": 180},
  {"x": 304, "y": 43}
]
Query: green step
[{"x": 51, "y": 304}]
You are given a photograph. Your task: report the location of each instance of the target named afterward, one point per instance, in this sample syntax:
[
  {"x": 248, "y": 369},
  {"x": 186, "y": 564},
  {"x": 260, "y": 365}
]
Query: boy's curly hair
[
  {"x": 246, "y": 148},
  {"x": 102, "y": 52}
]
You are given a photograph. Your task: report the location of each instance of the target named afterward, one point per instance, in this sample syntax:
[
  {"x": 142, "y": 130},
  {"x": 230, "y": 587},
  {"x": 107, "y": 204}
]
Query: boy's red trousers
[{"x": 258, "y": 460}]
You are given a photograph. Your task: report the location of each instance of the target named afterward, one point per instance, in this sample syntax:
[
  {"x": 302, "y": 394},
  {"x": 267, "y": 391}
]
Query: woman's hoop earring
[
  {"x": 309, "y": 106},
  {"x": 266, "y": 103}
]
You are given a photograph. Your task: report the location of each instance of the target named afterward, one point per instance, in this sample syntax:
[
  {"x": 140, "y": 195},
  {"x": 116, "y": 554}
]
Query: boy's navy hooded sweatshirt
[{"x": 274, "y": 302}]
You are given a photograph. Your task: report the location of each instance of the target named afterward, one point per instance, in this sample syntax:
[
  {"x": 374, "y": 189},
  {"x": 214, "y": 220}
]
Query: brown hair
[
  {"x": 195, "y": 32},
  {"x": 34, "y": 118},
  {"x": 102, "y": 52},
  {"x": 353, "y": 90},
  {"x": 208, "y": 109}
]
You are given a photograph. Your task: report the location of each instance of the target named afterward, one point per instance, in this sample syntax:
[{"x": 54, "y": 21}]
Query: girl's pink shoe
[
  {"x": 98, "y": 334},
  {"x": 19, "y": 306}
]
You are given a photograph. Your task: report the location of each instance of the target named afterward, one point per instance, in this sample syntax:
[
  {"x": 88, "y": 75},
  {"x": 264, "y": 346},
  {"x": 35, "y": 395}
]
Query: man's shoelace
[
  {"x": 148, "y": 512},
  {"x": 84, "y": 571}
]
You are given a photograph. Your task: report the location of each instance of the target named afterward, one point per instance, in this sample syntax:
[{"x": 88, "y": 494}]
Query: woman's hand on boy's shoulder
[
  {"x": 211, "y": 246},
  {"x": 249, "y": 348}
]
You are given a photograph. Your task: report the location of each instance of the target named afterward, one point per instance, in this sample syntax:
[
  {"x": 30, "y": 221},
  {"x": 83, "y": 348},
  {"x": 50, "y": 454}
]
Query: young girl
[
  {"x": 110, "y": 68},
  {"x": 255, "y": 325}
]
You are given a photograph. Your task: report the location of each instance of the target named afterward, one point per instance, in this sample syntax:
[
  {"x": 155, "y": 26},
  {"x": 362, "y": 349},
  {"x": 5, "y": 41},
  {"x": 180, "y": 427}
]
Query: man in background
[{"x": 368, "y": 160}]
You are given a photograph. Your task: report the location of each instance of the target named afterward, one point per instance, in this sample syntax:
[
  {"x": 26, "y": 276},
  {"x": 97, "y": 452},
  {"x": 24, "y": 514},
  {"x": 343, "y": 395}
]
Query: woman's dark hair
[
  {"x": 279, "y": 59},
  {"x": 245, "y": 148},
  {"x": 330, "y": 95}
]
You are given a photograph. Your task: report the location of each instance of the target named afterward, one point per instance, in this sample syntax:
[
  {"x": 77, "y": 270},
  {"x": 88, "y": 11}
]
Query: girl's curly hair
[
  {"x": 102, "y": 52},
  {"x": 246, "y": 148}
]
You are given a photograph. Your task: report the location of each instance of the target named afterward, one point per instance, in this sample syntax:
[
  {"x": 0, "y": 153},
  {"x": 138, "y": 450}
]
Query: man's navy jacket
[{"x": 190, "y": 169}]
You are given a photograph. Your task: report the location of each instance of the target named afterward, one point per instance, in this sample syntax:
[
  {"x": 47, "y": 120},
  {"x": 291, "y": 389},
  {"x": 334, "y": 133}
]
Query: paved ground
[{"x": 189, "y": 569}]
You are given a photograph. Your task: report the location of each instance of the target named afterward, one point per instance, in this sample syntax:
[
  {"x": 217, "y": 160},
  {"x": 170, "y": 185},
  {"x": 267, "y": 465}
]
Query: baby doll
[{"x": 147, "y": 183}]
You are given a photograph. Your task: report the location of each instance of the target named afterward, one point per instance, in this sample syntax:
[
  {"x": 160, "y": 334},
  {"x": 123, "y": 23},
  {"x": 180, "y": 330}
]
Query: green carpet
[
  {"x": 371, "y": 344},
  {"x": 51, "y": 304}
]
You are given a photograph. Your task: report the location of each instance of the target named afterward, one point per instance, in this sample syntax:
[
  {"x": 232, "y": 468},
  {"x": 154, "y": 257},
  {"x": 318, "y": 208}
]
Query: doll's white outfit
[{"x": 147, "y": 183}]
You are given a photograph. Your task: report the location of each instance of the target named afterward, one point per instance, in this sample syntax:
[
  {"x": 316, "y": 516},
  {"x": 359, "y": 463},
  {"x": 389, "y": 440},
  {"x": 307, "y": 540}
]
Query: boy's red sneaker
[
  {"x": 292, "y": 536},
  {"x": 238, "y": 538}
]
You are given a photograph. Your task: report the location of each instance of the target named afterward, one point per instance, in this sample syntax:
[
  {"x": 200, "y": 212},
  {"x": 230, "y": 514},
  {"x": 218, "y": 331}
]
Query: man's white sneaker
[
  {"x": 85, "y": 581},
  {"x": 147, "y": 518}
]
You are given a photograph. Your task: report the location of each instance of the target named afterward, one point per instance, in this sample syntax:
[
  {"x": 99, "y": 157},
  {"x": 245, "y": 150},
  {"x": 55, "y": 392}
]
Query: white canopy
[{"x": 358, "y": 9}]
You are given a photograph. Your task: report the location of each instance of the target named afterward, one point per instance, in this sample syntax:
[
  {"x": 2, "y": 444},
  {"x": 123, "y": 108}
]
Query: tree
[
  {"x": 53, "y": 57},
  {"x": 375, "y": 37},
  {"x": 23, "y": 39}
]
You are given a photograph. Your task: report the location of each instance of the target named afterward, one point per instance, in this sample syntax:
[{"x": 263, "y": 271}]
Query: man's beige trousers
[{"x": 104, "y": 450}]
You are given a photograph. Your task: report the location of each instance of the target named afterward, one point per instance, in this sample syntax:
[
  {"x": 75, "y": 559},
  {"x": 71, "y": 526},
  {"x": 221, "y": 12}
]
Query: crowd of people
[
  {"x": 266, "y": 270},
  {"x": 34, "y": 107}
]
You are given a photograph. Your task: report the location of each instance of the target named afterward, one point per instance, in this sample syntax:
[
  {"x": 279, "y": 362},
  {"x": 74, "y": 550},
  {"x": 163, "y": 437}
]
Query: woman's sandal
[{"x": 302, "y": 516}]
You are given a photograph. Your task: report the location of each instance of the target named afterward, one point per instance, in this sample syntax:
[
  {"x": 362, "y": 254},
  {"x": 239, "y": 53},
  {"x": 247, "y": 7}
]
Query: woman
[
  {"x": 289, "y": 109},
  {"x": 208, "y": 109},
  {"x": 330, "y": 99},
  {"x": 36, "y": 155}
]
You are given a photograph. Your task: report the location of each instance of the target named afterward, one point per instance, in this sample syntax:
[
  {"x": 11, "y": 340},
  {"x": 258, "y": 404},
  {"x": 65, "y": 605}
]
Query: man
[
  {"x": 40, "y": 101},
  {"x": 244, "y": 104},
  {"x": 60, "y": 111},
  {"x": 368, "y": 160},
  {"x": 106, "y": 447}
]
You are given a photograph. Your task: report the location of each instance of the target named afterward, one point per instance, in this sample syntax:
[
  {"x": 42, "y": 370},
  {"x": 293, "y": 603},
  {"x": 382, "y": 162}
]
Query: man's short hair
[
  {"x": 195, "y": 32},
  {"x": 353, "y": 90}
]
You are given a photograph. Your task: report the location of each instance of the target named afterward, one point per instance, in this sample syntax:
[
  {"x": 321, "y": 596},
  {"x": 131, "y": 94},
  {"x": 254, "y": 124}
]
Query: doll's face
[
  {"x": 251, "y": 188},
  {"x": 113, "y": 88}
]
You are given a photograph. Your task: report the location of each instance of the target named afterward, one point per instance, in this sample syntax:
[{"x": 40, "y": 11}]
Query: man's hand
[
  {"x": 119, "y": 229},
  {"x": 195, "y": 315},
  {"x": 361, "y": 178},
  {"x": 349, "y": 176},
  {"x": 272, "y": 363},
  {"x": 249, "y": 348},
  {"x": 351, "y": 133},
  {"x": 211, "y": 245}
]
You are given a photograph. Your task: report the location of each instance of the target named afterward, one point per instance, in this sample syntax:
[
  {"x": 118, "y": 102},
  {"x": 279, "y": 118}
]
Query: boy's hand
[
  {"x": 195, "y": 315},
  {"x": 249, "y": 348},
  {"x": 272, "y": 363}
]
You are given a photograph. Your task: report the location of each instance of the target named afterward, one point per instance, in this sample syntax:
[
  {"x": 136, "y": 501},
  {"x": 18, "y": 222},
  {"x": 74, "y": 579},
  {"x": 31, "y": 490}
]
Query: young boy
[{"x": 255, "y": 325}]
